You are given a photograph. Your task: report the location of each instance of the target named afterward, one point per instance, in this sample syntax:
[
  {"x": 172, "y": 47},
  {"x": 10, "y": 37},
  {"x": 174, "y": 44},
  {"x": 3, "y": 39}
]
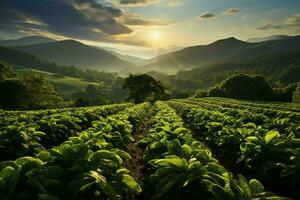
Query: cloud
[
  {"x": 141, "y": 3},
  {"x": 71, "y": 18},
  {"x": 136, "y": 3},
  {"x": 231, "y": 11},
  {"x": 138, "y": 20},
  {"x": 294, "y": 20},
  {"x": 206, "y": 16},
  {"x": 269, "y": 26}
]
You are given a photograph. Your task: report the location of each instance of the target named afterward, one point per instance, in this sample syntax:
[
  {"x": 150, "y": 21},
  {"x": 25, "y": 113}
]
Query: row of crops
[
  {"x": 189, "y": 149},
  {"x": 264, "y": 144}
]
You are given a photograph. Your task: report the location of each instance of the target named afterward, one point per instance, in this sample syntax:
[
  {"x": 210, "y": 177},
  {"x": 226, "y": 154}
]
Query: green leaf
[
  {"x": 44, "y": 155},
  {"x": 244, "y": 185},
  {"x": 256, "y": 187},
  {"x": 7, "y": 172},
  {"x": 271, "y": 135},
  {"x": 13, "y": 182},
  {"x": 221, "y": 193},
  {"x": 131, "y": 183}
]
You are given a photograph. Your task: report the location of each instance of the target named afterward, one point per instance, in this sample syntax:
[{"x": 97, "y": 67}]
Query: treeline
[{"x": 250, "y": 87}]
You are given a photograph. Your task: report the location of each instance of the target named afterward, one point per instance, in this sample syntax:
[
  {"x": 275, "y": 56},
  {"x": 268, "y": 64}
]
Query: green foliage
[
  {"x": 296, "y": 95},
  {"x": 12, "y": 92},
  {"x": 284, "y": 94},
  {"x": 30, "y": 91},
  {"x": 88, "y": 165},
  {"x": 243, "y": 86},
  {"x": 183, "y": 168},
  {"x": 261, "y": 138},
  {"x": 6, "y": 72},
  {"x": 200, "y": 93},
  {"x": 143, "y": 88},
  {"x": 92, "y": 96},
  {"x": 39, "y": 93}
]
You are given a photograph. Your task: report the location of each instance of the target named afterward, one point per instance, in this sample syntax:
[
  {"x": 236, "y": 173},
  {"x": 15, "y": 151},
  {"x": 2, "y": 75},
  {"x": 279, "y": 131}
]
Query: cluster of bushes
[
  {"x": 250, "y": 87},
  {"x": 29, "y": 91}
]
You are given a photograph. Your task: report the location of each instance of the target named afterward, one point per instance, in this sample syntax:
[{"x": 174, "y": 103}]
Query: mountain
[
  {"x": 26, "y": 41},
  {"x": 137, "y": 61},
  {"x": 263, "y": 39},
  {"x": 229, "y": 49},
  {"x": 71, "y": 52},
  {"x": 278, "y": 68},
  {"x": 201, "y": 55},
  {"x": 270, "y": 47},
  {"x": 25, "y": 60}
]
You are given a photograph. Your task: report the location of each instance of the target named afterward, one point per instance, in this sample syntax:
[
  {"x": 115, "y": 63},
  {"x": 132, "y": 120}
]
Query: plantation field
[{"x": 206, "y": 148}]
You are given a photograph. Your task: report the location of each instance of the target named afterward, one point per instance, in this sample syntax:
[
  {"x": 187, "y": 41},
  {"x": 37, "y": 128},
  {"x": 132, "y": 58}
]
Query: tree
[
  {"x": 39, "y": 93},
  {"x": 243, "y": 86},
  {"x": 143, "y": 88},
  {"x": 12, "y": 92},
  {"x": 93, "y": 95},
  {"x": 285, "y": 94},
  {"x": 296, "y": 97},
  {"x": 200, "y": 93},
  {"x": 6, "y": 72}
]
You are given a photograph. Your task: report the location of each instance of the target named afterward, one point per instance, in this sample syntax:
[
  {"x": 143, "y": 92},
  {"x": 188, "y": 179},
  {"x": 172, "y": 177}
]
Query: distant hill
[
  {"x": 26, "y": 41},
  {"x": 131, "y": 59},
  {"x": 269, "y": 47},
  {"x": 263, "y": 39},
  {"x": 279, "y": 68},
  {"x": 220, "y": 51},
  {"x": 70, "y": 52},
  {"x": 197, "y": 55}
]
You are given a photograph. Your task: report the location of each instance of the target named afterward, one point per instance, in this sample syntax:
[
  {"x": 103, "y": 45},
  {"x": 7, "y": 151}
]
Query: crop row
[
  {"x": 266, "y": 105},
  {"x": 87, "y": 166},
  {"x": 225, "y": 106},
  {"x": 181, "y": 167},
  {"x": 25, "y": 134},
  {"x": 284, "y": 124},
  {"x": 269, "y": 151}
]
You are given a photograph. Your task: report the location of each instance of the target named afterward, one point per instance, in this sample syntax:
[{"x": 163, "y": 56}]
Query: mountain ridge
[
  {"x": 30, "y": 40},
  {"x": 71, "y": 52}
]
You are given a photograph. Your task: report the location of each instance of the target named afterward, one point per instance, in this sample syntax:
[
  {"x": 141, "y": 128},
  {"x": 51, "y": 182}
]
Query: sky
[{"x": 146, "y": 28}]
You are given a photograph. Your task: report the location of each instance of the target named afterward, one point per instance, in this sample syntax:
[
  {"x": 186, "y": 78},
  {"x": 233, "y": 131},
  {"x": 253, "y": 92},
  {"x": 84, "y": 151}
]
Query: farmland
[{"x": 205, "y": 148}]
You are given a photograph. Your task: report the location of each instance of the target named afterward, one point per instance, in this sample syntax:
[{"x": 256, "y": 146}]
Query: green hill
[
  {"x": 71, "y": 52},
  {"x": 279, "y": 68}
]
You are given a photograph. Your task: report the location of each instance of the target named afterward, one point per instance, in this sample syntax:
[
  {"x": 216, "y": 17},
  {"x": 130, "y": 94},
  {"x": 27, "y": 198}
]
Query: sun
[{"x": 156, "y": 35}]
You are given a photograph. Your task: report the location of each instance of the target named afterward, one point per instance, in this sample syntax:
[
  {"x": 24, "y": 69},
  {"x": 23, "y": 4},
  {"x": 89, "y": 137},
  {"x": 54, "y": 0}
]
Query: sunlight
[{"x": 156, "y": 35}]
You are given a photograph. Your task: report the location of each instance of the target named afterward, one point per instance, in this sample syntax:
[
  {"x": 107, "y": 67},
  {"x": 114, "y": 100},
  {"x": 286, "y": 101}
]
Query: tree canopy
[
  {"x": 243, "y": 86},
  {"x": 30, "y": 91},
  {"x": 143, "y": 88}
]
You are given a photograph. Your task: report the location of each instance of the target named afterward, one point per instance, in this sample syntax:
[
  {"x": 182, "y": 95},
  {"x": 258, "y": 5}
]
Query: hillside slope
[
  {"x": 283, "y": 67},
  {"x": 70, "y": 52},
  {"x": 198, "y": 55}
]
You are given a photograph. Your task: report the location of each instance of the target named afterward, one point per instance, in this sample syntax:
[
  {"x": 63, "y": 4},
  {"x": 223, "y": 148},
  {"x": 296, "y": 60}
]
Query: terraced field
[{"x": 208, "y": 148}]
